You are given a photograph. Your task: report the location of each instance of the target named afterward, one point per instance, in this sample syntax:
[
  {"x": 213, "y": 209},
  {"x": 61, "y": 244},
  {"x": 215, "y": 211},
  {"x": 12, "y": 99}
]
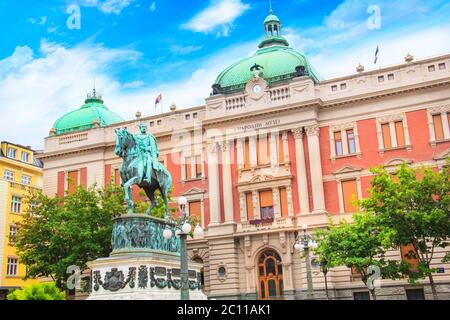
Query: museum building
[{"x": 275, "y": 149}]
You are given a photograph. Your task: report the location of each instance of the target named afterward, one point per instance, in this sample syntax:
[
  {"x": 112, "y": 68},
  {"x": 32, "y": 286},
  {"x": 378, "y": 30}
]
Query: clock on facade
[{"x": 256, "y": 88}]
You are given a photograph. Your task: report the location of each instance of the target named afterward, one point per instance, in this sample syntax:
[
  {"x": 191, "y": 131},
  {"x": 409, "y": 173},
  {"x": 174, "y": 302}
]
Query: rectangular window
[
  {"x": 364, "y": 295},
  {"x": 187, "y": 167},
  {"x": 195, "y": 115},
  {"x": 72, "y": 181},
  {"x": 431, "y": 68},
  {"x": 249, "y": 204},
  {"x": 280, "y": 149},
  {"x": 195, "y": 210},
  {"x": 247, "y": 153},
  {"x": 415, "y": 294},
  {"x": 263, "y": 150},
  {"x": 12, "y": 233},
  {"x": 390, "y": 76},
  {"x": 159, "y": 122},
  {"x": 16, "y": 204},
  {"x": 152, "y": 123},
  {"x": 25, "y": 157},
  {"x": 266, "y": 204},
  {"x": 386, "y": 131},
  {"x": 338, "y": 143},
  {"x": 11, "y": 153},
  {"x": 399, "y": 133},
  {"x": 26, "y": 179},
  {"x": 334, "y": 88},
  {"x": 283, "y": 202},
  {"x": 117, "y": 180},
  {"x": 438, "y": 130},
  {"x": 381, "y": 79},
  {"x": 187, "y": 116},
  {"x": 349, "y": 194},
  {"x": 198, "y": 166},
  {"x": 410, "y": 256},
  {"x": 11, "y": 267},
  {"x": 441, "y": 66},
  {"x": 343, "y": 86},
  {"x": 351, "y": 141},
  {"x": 8, "y": 175}
]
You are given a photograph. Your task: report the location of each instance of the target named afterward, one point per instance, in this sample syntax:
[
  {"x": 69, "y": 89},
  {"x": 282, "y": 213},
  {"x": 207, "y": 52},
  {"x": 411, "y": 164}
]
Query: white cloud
[
  {"x": 36, "y": 91},
  {"x": 217, "y": 18},
  {"x": 114, "y": 6},
  {"x": 183, "y": 50},
  {"x": 153, "y": 7}
]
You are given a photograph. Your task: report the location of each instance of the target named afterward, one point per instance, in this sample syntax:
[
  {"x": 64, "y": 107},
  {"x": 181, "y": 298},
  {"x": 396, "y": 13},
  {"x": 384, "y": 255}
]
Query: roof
[{"x": 93, "y": 112}]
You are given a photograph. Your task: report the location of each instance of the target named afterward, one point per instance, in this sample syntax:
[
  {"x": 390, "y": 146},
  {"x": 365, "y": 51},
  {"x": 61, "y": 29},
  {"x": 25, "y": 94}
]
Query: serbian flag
[
  {"x": 158, "y": 99},
  {"x": 376, "y": 55}
]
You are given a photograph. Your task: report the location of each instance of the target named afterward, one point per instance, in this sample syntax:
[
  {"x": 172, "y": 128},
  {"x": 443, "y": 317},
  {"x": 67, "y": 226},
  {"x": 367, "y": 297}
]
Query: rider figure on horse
[{"x": 148, "y": 149}]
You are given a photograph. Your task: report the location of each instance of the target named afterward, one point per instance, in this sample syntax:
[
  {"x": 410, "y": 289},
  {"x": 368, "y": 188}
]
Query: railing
[
  {"x": 235, "y": 103},
  {"x": 280, "y": 94},
  {"x": 264, "y": 224},
  {"x": 73, "y": 138},
  {"x": 21, "y": 186}
]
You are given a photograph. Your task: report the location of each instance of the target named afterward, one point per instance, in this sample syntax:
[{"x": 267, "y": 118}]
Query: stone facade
[{"x": 305, "y": 173}]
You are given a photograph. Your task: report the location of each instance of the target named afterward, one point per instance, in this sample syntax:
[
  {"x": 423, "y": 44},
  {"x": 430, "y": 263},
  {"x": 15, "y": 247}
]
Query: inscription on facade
[{"x": 258, "y": 125}]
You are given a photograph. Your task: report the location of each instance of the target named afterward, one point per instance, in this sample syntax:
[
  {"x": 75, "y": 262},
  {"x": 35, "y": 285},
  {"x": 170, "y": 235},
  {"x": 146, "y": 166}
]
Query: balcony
[{"x": 266, "y": 224}]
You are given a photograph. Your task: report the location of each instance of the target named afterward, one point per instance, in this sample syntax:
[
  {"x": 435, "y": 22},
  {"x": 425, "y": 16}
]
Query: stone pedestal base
[{"x": 142, "y": 276}]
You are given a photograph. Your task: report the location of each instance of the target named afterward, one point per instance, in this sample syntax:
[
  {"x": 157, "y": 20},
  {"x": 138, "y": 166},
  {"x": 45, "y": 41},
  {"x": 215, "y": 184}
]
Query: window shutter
[
  {"x": 386, "y": 135},
  {"x": 283, "y": 201},
  {"x": 187, "y": 168},
  {"x": 249, "y": 202},
  {"x": 408, "y": 252},
  {"x": 265, "y": 198},
  {"x": 198, "y": 166},
  {"x": 107, "y": 175},
  {"x": 73, "y": 181},
  {"x": 195, "y": 209},
  {"x": 117, "y": 177},
  {"x": 83, "y": 177},
  {"x": 438, "y": 130},
  {"x": 349, "y": 192},
  {"x": 61, "y": 183},
  {"x": 399, "y": 133},
  {"x": 263, "y": 150}
]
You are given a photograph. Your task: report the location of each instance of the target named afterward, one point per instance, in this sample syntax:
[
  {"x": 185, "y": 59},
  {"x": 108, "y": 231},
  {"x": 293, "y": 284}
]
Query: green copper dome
[
  {"x": 275, "y": 60},
  {"x": 93, "y": 113}
]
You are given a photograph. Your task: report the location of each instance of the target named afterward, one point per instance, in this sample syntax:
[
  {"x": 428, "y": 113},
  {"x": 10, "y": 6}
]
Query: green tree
[
  {"x": 37, "y": 291},
  {"x": 70, "y": 230},
  {"x": 413, "y": 208},
  {"x": 356, "y": 245}
]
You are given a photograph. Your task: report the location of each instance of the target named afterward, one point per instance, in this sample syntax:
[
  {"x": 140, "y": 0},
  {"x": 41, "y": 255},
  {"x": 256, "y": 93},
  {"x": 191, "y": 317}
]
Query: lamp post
[
  {"x": 183, "y": 228},
  {"x": 306, "y": 244}
]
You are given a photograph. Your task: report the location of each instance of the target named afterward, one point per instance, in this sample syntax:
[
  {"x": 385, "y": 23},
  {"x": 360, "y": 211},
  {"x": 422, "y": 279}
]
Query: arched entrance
[
  {"x": 202, "y": 271},
  {"x": 270, "y": 276}
]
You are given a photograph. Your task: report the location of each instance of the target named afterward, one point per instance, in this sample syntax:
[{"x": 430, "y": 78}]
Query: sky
[{"x": 52, "y": 51}]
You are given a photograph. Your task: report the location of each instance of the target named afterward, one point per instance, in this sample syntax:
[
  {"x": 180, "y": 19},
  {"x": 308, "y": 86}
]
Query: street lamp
[
  {"x": 183, "y": 228},
  {"x": 306, "y": 244}
]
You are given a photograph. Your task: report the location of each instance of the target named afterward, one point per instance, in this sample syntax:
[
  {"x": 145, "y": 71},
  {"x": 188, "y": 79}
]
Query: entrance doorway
[{"x": 270, "y": 276}]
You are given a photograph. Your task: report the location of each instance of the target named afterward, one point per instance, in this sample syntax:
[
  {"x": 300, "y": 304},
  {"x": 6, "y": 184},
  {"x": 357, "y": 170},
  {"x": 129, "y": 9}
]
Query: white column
[
  {"x": 276, "y": 203},
  {"x": 445, "y": 125},
  {"x": 213, "y": 180},
  {"x": 393, "y": 134},
  {"x": 256, "y": 209},
  {"x": 302, "y": 181},
  {"x": 240, "y": 153},
  {"x": 273, "y": 148},
  {"x": 253, "y": 151},
  {"x": 316, "y": 168},
  {"x": 344, "y": 141},
  {"x": 285, "y": 146},
  {"x": 227, "y": 147}
]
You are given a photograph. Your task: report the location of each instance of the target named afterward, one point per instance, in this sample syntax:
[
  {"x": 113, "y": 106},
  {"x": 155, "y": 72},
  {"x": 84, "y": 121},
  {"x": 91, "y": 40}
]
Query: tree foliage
[
  {"x": 38, "y": 291},
  {"x": 63, "y": 231}
]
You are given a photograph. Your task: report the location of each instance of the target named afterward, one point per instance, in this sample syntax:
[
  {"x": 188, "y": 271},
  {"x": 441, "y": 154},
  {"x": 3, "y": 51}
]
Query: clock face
[{"x": 256, "y": 88}]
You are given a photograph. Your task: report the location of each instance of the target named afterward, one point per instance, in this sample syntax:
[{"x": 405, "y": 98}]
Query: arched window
[{"x": 270, "y": 276}]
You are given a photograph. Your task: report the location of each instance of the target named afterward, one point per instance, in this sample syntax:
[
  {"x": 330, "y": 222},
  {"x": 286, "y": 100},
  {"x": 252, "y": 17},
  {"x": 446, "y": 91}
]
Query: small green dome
[
  {"x": 92, "y": 113},
  {"x": 271, "y": 18},
  {"x": 278, "y": 63}
]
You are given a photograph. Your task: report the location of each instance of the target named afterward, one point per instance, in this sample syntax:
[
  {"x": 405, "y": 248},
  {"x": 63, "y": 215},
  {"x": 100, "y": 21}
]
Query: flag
[
  {"x": 158, "y": 99},
  {"x": 376, "y": 55}
]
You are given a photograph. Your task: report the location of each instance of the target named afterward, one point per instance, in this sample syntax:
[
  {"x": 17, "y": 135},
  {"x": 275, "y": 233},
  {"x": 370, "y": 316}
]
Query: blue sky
[{"x": 137, "y": 49}]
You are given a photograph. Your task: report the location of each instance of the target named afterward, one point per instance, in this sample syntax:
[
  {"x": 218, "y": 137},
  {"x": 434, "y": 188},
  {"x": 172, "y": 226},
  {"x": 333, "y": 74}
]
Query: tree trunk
[
  {"x": 433, "y": 287},
  {"x": 372, "y": 293},
  {"x": 326, "y": 286}
]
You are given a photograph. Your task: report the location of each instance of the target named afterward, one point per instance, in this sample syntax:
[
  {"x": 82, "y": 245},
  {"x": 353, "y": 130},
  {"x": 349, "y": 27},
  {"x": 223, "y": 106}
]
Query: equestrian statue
[{"x": 141, "y": 167}]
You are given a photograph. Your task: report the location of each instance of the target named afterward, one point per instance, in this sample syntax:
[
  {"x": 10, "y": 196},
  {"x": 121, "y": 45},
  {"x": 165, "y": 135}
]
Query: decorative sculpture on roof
[{"x": 141, "y": 166}]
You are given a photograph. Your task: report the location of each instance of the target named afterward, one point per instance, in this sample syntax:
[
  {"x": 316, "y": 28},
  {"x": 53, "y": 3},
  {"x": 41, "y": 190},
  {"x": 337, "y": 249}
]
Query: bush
[{"x": 38, "y": 291}]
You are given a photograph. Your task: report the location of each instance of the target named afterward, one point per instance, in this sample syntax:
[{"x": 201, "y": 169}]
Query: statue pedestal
[{"x": 143, "y": 264}]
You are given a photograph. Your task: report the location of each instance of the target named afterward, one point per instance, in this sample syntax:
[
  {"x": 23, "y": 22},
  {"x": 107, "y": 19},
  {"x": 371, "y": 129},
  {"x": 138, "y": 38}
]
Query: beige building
[{"x": 273, "y": 148}]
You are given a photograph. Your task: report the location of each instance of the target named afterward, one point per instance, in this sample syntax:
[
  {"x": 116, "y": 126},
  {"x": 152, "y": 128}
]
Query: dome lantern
[{"x": 272, "y": 31}]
